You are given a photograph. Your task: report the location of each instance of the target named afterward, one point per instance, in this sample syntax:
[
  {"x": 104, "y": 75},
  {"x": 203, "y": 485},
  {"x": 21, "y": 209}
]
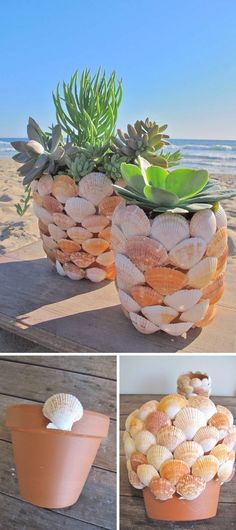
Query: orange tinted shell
[
  {"x": 63, "y": 221},
  {"x": 82, "y": 259},
  {"x": 218, "y": 243},
  {"x": 105, "y": 234},
  {"x": 66, "y": 245},
  {"x": 63, "y": 257},
  {"x": 156, "y": 420},
  {"x": 110, "y": 272},
  {"x": 165, "y": 280},
  {"x": 95, "y": 246},
  {"x": 173, "y": 470},
  {"x": 162, "y": 489},
  {"x": 137, "y": 459},
  {"x": 108, "y": 205},
  {"x": 52, "y": 204},
  {"x": 145, "y": 296}
]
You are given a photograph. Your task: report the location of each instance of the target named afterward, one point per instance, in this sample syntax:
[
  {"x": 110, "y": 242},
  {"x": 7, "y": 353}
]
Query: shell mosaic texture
[
  {"x": 176, "y": 446},
  {"x": 75, "y": 224},
  {"x": 170, "y": 269}
]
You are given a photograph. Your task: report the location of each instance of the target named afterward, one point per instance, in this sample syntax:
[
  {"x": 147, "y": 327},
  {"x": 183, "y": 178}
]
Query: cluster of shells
[
  {"x": 194, "y": 384},
  {"x": 63, "y": 410},
  {"x": 75, "y": 224},
  {"x": 169, "y": 269},
  {"x": 176, "y": 446}
]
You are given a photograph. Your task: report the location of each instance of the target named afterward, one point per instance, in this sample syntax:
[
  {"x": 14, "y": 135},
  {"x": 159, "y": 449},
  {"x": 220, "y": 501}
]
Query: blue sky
[{"x": 177, "y": 59}]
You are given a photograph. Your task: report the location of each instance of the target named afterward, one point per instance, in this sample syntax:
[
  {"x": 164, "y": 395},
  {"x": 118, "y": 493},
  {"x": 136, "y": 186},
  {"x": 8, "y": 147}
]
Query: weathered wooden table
[
  {"x": 34, "y": 379},
  {"x": 67, "y": 316},
  {"x": 132, "y": 510}
]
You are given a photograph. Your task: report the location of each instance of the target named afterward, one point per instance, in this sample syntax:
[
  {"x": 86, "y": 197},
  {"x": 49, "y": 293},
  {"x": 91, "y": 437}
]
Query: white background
[{"x": 158, "y": 374}]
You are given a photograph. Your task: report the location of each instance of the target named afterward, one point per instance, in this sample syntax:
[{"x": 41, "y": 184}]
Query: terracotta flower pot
[
  {"x": 52, "y": 465},
  {"x": 176, "y": 509},
  {"x": 75, "y": 224},
  {"x": 170, "y": 269}
]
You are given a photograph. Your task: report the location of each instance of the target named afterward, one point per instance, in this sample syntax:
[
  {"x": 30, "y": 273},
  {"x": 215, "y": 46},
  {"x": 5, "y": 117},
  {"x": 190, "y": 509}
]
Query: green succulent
[
  {"x": 111, "y": 165},
  {"x": 86, "y": 159},
  {"x": 88, "y": 112},
  {"x": 181, "y": 190}
]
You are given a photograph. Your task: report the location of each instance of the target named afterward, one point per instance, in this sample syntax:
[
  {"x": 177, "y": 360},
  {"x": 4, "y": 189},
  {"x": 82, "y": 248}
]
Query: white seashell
[
  {"x": 73, "y": 272},
  {"x": 56, "y": 232},
  {"x": 42, "y": 214},
  {"x": 147, "y": 408},
  {"x": 49, "y": 242},
  {"x": 190, "y": 420},
  {"x": 221, "y": 217},
  {"x": 227, "y": 413},
  {"x": 201, "y": 274},
  {"x": 171, "y": 404},
  {"x": 96, "y": 275},
  {"x": 134, "y": 222},
  {"x": 146, "y": 473},
  {"x": 203, "y": 224},
  {"x": 142, "y": 324},
  {"x": 184, "y": 299},
  {"x": 188, "y": 452},
  {"x": 128, "y": 272},
  {"x": 204, "y": 404},
  {"x": 130, "y": 418},
  {"x": 63, "y": 410},
  {"x": 94, "y": 187},
  {"x": 207, "y": 437},
  {"x": 129, "y": 445},
  {"x": 188, "y": 252},
  {"x": 176, "y": 330},
  {"x": 78, "y": 208},
  {"x": 170, "y": 437},
  {"x": 128, "y": 303},
  {"x": 118, "y": 214},
  {"x": 106, "y": 258},
  {"x": 45, "y": 185},
  {"x": 169, "y": 229},
  {"x": 157, "y": 454},
  {"x": 60, "y": 269},
  {"x": 195, "y": 313},
  {"x": 118, "y": 240},
  {"x": 144, "y": 440},
  {"x": 225, "y": 471},
  {"x": 159, "y": 314}
]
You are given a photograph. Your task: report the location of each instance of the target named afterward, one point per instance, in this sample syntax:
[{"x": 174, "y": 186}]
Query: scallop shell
[
  {"x": 79, "y": 234},
  {"x": 63, "y": 221},
  {"x": 195, "y": 313},
  {"x": 96, "y": 275},
  {"x": 118, "y": 214},
  {"x": 190, "y": 420},
  {"x": 159, "y": 314},
  {"x": 135, "y": 426},
  {"x": 156, "y": 420},
  {"x": 94, "y": 187},
  {"x": 189, "y": 452},
  {"x": 207, "y": 437},
  {"x": 230, "y": 440},
  {"x": 62, "y": 257},
  {"x": 142, "y": 324},
  {"x": 146, "y": 473},
  {"x": 165, "y": 280},
  {"x": 118, "y": 240},
  {"x": 51, "y": 254},
  {"x": 221, "y": 422},
  {"x": 95, "y": 223},
  {"x": 147, "y": 408},
  {"x": 78, "y": 208},
  {"x": 63, "y": 188},
  {"x": 184, "y": 299},
  {"x": 218, "y": 243},
  {"x": 226, "y": 471},
  {"x": 221, "y": 263},
  {"x": 95, "y": 246},
  {"x": 60, "y": 269},
  {"x": 204, "y": 404},
  {"x": 143, "y": 441},
  {"x": 128, "y": 303},
  {"x": 45, "y": 185},
  {"x": 134, "y": 480},
  {"x": 177, "y": 330},
  {"x": 221, "y": 218},
  {"x": 145, "y": 253},
  {"x": 170, "y": 229},
  {"x": 157, "y": 454},
  {"x": 227, "y": 413},
  {"x": 137, "y": 459},
  {"x": 106, "y": 259},
  {"x": 111, "y": 272},
  {"x": 37, "y": 198},
  {"x": 49, "y": 242},
  {"x": 145, "y": 296},
  {"x": 34, "y": 185},
  {"x": 205, "y": 467},
  {"x": 210, "y": 314},
  {"x": 129, "y": 419},
  {"x": 73, "y": 272},
  {"x": 42, "y": 214},
  {"x": 134, "y": 222},
  {"x": 202, "y": 273},
  {"x": 51, "y": 204},
  {"x": 172, "y": 404},
  {"x": 43, "y": 228},
  {"x": 203, "y": 224},
  {"x": 108, "y": 205},
  {"x": 82, "y": 259},
  {"x": 221, "y": 452},
  {"x": 173, "y": 470},
  {"x": 105, "y": 234},
  {"x": 170, "y": 437},
  {"x": 188, "y": 252},
  {"x": 190, "y": 487},
  {"x": 66, "y": 245},
  {"x": 56, "y": 232},
  {"x": 128, "y": 272},
  {"x": 63, "y": 410},
  {"x": 161, "y": 488},
  {"x": 211, "y": 291}
]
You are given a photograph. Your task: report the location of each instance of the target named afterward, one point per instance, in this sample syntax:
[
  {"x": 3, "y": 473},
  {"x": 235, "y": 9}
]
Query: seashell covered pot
[
  {"x": 179, "y": 452},
  {"x": 54, "y": 448},
  {"x": 194, "y": 384}
]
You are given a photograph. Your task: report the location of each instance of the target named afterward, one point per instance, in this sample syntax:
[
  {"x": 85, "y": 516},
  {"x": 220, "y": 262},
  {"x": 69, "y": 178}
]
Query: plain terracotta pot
[
  {"x": 176, "y": 509},
  {"x": 52, "y": 465}
]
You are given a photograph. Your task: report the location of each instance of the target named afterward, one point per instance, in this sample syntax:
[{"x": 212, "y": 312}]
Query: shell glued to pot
[
  {"x": 179, "y": 454},
  {"x": 75, "y": 224},
  {"x": 170, "y": 267},
  {"x": 63, "y": 410}
]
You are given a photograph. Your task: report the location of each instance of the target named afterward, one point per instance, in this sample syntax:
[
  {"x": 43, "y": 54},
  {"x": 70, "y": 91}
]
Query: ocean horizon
[{"x": 217, "y": 156}]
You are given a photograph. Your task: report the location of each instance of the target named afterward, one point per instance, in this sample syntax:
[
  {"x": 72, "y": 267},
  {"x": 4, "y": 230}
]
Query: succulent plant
[
  {"x": 86, "y": 159},
  {"x": 88, "y": 112},
  {"x": 181, "y": 190},
  {"x": 111, "y": 165}
]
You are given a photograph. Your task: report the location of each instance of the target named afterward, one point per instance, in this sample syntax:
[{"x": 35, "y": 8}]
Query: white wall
[{"x": 158, "y": 374}]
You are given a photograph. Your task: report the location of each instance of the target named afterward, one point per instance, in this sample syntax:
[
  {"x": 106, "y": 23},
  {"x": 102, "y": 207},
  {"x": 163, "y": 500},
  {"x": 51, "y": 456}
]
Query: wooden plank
[
  {"x": 66, "y": 312},
  {"x": 97, "y": 504},
  {"x": 133, "y": 516},
  {"x": 104, "y": 366}
]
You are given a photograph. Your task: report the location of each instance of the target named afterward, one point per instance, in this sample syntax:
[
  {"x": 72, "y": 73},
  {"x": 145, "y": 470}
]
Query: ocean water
[{"x": 217, "y": 156}]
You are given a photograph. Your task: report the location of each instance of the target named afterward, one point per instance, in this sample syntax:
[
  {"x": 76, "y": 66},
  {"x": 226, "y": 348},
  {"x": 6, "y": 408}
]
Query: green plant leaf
[
  {"x": 160, "y": 196},
  {"x": 186, "y": 182},
  {"x": 133, "y": 176},
  {"x": 156, "y": 176}
]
